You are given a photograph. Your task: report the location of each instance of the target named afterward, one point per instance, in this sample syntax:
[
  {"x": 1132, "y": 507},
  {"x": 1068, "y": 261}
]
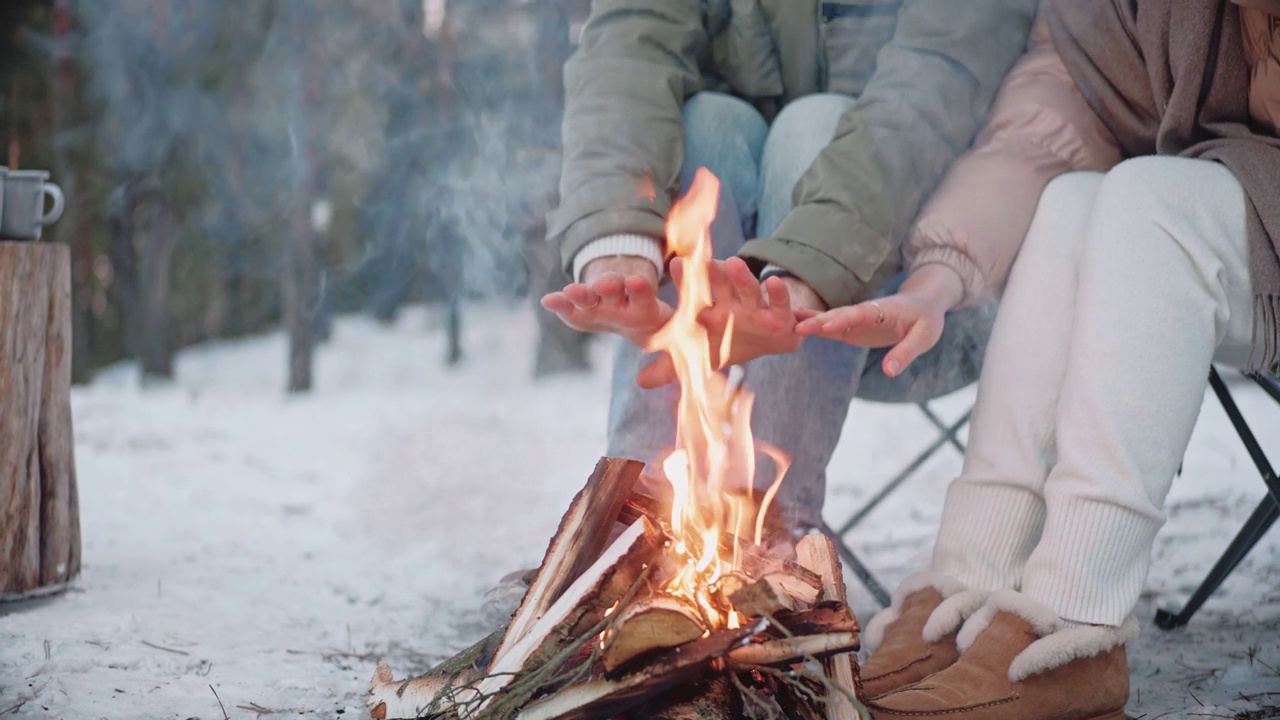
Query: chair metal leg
[
  {"x": 1269, "y": 384},
  {"x": 947, "y": 435},
  {"x": 1258, "y": 523},
  {"x": 887, "y": 490},
  {"x": 1259, "y": 458},
  {"x": 948, "y": 431}
]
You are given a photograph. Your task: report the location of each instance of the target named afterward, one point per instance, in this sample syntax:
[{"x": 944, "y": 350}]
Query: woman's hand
[
  {"x": 618, "y": 295},
  {"x": 911, "y": 320},
  {"x": 759, "y": 318}
]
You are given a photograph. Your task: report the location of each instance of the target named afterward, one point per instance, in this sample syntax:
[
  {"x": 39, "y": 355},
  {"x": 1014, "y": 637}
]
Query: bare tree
[{"x": 301, "y": 282}]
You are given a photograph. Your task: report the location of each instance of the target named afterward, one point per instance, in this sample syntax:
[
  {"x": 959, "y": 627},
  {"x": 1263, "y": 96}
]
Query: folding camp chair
[
  {"x": 1258, "y": 523},
  {"x": 946, "y": 436}
]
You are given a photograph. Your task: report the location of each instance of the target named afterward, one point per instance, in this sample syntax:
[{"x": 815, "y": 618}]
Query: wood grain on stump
[{"x": 39, "y": 508}]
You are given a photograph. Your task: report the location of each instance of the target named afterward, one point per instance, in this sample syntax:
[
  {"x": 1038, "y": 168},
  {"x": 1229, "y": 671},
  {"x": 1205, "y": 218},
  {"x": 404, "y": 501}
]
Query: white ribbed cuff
[
  {"x": 988, "y": 531},
  {"x": 614, "y": 245},
  {"x": 1091, "y": 562},
  {"x": 770, "y": 270}
]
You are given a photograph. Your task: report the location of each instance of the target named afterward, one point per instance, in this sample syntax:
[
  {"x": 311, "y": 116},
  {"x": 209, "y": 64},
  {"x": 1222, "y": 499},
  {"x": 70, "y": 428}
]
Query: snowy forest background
[{"x": 233, "y": 165}]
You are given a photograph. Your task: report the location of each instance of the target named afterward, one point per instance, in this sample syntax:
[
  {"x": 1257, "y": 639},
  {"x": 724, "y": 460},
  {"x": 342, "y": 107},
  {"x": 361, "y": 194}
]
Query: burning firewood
[
  {"x": 581, "y": 537},
  {"x": 660, "y": 622},
  {"x": 828, "y": 617},
  {"x": 679, "y": 607},
  {"x": 604, "y": 698},
  {"x": 774, "y": 593},
  {"x": 757, "y": 561},
  {"x": 787, "y": 651},
  {"x": 580, "y": 607}
]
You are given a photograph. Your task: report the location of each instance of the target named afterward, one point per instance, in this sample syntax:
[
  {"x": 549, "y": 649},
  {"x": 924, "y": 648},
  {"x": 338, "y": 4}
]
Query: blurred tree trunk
[
  {"x": 154, "y": 240},
  {"x": 560, "y": 348},
  {"x": 154, "y": 249},
  {"x": 301, "y": 280},
  {"x": 302, "y": 264},
  {"x": 70, "y": 166},
  {"x": 237, "y": 297},
  {"x": 453, "y": 258},
  {"x": 159, "y": 240},
  {"x": 124, "y": 264}
]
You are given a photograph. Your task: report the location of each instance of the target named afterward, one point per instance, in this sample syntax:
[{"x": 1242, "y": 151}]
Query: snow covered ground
[{"x": 270, "y": 548}]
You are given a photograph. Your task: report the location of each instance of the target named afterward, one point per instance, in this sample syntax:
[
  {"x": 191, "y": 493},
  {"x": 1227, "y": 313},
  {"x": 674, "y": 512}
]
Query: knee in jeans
[
  {"x": 811, "y": 114},
  {"x": 713, "y": 112},
  {"x": 726, "y": 135},
  {"x": 798, "y": 135}
]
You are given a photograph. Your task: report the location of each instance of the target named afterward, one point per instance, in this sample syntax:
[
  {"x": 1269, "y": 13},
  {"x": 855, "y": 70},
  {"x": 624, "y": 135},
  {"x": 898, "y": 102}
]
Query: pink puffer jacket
[{"x": 1041, "y": 127}]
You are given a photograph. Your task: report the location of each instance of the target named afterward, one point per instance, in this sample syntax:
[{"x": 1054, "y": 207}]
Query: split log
[
  {"x": 821, "y": 632},
  {"x": 580, "y": 607},
  {"x": 818, "y": 553},
  {"x": 787, "y": 651},
  {"x": 39, "y": 506},
  {"x": 660, "y": 622},
  {"x": 583, "y": 534},
  {"x": 640, "y": 504},
  {"x": 601, "y": 698},
  {"x": 828, "y": 617},
  {"x": 434, "y": 689},
  {"x": 772, "y": 594}
]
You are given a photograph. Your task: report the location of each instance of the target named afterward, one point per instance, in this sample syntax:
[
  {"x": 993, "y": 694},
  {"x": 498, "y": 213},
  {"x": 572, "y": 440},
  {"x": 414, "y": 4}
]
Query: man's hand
[
  {"x": 760, "y": 318},
  {"x": 617, "y": 295},
  {"x": 910, "y": 320}
]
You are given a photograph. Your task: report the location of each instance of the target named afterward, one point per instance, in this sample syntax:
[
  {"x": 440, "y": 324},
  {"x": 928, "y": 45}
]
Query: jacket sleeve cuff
[
  {"x": 614, "y": 245},
  {"x": 833, "y": 282},
  {"x": 974, "y": 280}
]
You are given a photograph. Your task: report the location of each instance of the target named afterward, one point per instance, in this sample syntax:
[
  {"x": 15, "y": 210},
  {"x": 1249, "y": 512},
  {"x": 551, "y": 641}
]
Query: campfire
[{"x": 695, "y": 604}]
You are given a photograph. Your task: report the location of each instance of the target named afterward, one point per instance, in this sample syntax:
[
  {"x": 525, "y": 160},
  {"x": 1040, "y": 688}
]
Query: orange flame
[{"x": 714, "y": 444}]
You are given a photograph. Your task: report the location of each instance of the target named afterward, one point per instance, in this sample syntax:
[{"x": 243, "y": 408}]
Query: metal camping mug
[{"x": 22, "y": 215}]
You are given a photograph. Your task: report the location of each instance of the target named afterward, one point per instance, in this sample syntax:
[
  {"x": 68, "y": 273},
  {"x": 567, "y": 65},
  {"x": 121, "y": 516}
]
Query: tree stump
[{"x": 39, "y": 507}]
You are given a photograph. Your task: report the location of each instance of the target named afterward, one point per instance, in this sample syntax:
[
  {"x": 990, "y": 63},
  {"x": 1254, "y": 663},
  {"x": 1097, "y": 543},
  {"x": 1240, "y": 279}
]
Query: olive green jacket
[{"x": 924, "y": 73}]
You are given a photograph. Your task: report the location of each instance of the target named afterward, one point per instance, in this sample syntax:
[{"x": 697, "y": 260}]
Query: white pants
[{"x": 1128, "y": 286}]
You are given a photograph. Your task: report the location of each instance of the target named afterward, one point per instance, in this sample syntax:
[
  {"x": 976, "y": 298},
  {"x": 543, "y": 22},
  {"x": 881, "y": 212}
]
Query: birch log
[
  {"x": 39, "y": 508},
  {"x": 817, "y": 553}
]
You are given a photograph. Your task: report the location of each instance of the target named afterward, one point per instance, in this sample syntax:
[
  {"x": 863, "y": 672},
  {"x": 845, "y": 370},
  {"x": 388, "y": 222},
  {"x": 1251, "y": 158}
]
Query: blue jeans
[{"x": 801, "y": 398}]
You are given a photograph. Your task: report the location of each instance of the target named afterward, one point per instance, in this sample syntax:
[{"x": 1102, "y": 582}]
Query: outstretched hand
[
  {"x": 619, "y": 295},
  {"x": 757, "y": 318},
  {"x": 911, "y": 321}
]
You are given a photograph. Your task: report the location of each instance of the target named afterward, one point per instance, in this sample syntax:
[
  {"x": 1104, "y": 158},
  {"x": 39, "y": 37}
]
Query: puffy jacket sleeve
[
  {"x": 623, "y": 133},
  {"x": 1040, "y": 128},
  {"x": 932, "y": 88}
]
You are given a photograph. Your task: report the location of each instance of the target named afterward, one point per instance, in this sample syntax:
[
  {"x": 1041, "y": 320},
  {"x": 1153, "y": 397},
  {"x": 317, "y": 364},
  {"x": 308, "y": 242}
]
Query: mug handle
[{"x": 59, "y": 202}]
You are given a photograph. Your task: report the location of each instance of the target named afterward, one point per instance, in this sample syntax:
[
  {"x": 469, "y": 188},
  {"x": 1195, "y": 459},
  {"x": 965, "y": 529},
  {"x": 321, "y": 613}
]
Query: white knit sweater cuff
[
  {"x": 771, "y": 270},
  {"x": 614, "y": 245}
]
